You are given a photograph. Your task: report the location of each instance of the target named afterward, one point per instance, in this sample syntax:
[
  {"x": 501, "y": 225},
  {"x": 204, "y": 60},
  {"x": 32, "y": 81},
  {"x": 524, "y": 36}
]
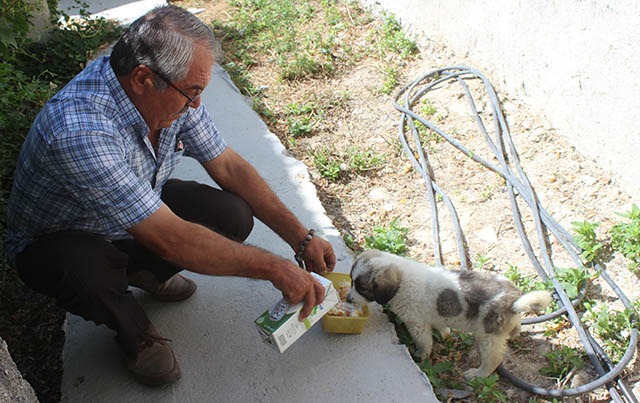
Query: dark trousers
[{"x": 87, "y": 274}]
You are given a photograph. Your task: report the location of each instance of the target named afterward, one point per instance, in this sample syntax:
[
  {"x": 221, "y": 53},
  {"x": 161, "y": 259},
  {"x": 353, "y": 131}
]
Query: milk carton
[{"x": 280, "y": 327}]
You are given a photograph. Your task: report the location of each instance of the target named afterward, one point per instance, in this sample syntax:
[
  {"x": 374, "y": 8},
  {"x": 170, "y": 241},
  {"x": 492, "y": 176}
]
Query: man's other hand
[{"x": 319, "y": 256}]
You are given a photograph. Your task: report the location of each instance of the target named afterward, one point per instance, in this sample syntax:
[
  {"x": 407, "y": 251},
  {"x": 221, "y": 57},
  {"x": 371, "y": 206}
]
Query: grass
[
  {"x": 304, "y": 39},
  {"x": 280, "y": 31}
]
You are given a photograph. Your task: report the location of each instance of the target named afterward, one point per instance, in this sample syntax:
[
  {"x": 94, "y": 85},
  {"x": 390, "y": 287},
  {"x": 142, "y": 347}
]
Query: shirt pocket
[{"x": 168, "y": 166}]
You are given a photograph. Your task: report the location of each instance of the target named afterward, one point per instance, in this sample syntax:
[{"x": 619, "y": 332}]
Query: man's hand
[
  {"x": 299, "y": 286},
  {"x": 318, "y": 256}
]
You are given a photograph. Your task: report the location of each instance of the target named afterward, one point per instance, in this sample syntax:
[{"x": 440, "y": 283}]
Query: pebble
[
  {"x": 378, "y": 194},
  {"x": 488, "y": 234}
]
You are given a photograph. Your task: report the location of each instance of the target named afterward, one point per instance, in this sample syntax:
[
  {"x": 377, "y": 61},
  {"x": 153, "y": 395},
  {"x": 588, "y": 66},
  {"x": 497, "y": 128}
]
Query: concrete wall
[{"x": 576, "y": 61}]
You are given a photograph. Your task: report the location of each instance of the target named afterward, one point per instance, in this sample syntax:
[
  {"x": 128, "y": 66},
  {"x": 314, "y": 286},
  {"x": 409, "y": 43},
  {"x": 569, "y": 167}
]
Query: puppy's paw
[
  {"x": 421, "y": 353},
  {"x": 473, "y": 373}
]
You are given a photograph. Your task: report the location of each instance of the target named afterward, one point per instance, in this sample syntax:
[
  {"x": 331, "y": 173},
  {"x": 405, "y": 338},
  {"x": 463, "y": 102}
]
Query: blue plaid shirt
[{"x": 87, "y": 164}]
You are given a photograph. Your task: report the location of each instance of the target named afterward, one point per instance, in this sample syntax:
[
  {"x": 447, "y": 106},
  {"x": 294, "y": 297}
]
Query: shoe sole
[{"x": 165, "y": 380}]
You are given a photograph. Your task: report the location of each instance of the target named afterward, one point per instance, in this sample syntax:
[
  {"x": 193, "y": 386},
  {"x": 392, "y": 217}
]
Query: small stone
[
  {"x": 378, "y": 194},
  {"x": 455, "y": 394},
  {"x": 588, "y": 180},
  {"x": 488, "y": 234}
]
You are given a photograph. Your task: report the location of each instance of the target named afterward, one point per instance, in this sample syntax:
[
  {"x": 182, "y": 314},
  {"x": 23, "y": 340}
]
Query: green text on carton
[{"x": 279, "y": 326}]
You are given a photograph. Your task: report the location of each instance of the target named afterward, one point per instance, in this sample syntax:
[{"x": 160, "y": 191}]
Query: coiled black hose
[{"x": 517, "y": 184}]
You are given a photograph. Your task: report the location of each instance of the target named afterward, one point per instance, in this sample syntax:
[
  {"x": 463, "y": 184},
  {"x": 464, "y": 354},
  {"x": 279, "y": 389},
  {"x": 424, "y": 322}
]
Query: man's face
[{"x": 170, "y": 104}]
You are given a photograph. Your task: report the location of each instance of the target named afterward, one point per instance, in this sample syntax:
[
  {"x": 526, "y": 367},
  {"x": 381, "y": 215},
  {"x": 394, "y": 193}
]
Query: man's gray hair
[{"x": 163, "y": 40}]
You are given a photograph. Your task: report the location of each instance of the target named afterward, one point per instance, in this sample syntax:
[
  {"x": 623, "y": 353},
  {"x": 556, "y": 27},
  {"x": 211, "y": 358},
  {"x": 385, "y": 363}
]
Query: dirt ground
[{"x": 354, "y": 114}]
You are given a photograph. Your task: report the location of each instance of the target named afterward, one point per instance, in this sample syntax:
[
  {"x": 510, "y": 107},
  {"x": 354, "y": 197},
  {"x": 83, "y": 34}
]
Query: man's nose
[{"x": 196, "y": 102}]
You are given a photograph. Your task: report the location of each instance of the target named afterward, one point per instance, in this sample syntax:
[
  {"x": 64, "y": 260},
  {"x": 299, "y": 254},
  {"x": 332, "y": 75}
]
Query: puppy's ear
[{"x": 386, "y": 283}]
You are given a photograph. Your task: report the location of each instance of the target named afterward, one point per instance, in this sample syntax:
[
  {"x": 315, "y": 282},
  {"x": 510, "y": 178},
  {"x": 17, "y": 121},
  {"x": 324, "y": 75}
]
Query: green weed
[
  {"x": 361, "y": 161},
  {"x": 526, "y": 282},
  {"x": 572, "y": 280},
  {"x": 394, "y": 39},
  {"x": 391, "y": 239},
  {"x": 483, "y": 263},
  {"x": 329, "y": 168},
  {"x": 68, "y": 49},
  {"x": 299, "y": 127},
  {"x": 302, "y": 119},
  {"x": 297, "y": 108},
  {"x": 586, "y": 239},
  {"x": 350, "y": 242},
  {"x": 626, "y": 237},
  {"x": 612, "y": 327},
  {"x": 561, "y": 362},
  {"x": 279, "y": 30},
  {"x": 435, "y": 372},
  {"x": 487, "y": 389},
  {"x": 391, "y": 75},
  {"x": 486, "y": 194},
  {"x": 427, "y": 108}
]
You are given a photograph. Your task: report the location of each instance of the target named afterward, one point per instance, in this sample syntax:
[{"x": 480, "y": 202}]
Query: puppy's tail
[{"x": 532, "y": 301}]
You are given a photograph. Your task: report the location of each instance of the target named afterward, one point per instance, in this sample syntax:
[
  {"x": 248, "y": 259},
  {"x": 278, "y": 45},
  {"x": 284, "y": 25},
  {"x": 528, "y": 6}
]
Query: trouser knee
[
  {"x": 222, "y": 211},
  {"x": 88, "y": 277}
]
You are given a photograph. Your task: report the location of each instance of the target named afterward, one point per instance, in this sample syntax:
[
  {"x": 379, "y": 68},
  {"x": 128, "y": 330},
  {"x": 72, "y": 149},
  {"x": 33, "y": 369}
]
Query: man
[{"x": 92, "y": 209}]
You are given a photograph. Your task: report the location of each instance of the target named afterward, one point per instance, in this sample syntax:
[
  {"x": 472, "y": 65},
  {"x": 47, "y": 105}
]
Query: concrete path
[{"x": 221, "y": 354}]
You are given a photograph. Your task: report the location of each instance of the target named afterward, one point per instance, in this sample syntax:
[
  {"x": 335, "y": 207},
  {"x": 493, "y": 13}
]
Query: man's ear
[{"x": 141, "y": 78}]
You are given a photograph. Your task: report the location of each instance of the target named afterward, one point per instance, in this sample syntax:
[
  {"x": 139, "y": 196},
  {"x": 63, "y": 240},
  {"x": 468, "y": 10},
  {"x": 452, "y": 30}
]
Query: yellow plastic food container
[{"x": 343, "y": 324}]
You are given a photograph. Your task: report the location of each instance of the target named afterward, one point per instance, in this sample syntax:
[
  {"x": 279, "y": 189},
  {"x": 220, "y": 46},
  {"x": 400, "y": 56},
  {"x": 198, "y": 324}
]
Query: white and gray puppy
[{"x": 426, "y": 297}]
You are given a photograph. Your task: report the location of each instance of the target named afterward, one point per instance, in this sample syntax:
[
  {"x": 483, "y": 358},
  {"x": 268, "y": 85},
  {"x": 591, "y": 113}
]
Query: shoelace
[{"x": 147, "y": 340}]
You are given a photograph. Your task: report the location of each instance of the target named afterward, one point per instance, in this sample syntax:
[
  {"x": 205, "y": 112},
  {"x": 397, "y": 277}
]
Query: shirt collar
[{"x": 127, "y": 111}]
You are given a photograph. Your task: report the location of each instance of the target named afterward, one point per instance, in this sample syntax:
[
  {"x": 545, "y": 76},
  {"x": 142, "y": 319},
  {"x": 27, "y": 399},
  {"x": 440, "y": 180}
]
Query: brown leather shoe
[
  {"x": 155, "y": 364},
  {"x": 177, "y": 288}
]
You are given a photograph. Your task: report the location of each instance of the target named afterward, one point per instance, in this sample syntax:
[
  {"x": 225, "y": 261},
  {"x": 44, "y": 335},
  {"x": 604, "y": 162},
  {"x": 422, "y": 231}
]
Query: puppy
[{"x": 426, "y": 297}]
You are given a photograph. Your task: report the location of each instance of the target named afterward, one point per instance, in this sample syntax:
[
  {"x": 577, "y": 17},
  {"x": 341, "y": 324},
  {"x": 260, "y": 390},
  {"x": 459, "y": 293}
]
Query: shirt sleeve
[
  {"x": 200, "y": 136},
  {"x": 92, "y": 167}
]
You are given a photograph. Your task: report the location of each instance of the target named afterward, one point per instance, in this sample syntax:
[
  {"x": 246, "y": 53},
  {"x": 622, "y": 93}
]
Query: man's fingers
[
  {"x": 321, "y": 259},
  {"x": 319, "y": 290},
  {"x": 309, "y": 303},
  {"x": 330, "y": 259}
]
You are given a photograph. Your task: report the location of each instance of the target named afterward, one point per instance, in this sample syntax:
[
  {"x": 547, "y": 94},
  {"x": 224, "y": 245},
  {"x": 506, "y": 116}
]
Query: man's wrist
[{"x": 299, "y": 252}]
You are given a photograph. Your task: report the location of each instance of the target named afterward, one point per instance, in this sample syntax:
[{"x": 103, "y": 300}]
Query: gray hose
[{"x": 518, "y": 186}]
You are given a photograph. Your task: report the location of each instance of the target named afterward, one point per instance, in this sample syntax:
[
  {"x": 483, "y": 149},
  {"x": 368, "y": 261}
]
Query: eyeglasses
[{"x": 166, "y": 80}]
